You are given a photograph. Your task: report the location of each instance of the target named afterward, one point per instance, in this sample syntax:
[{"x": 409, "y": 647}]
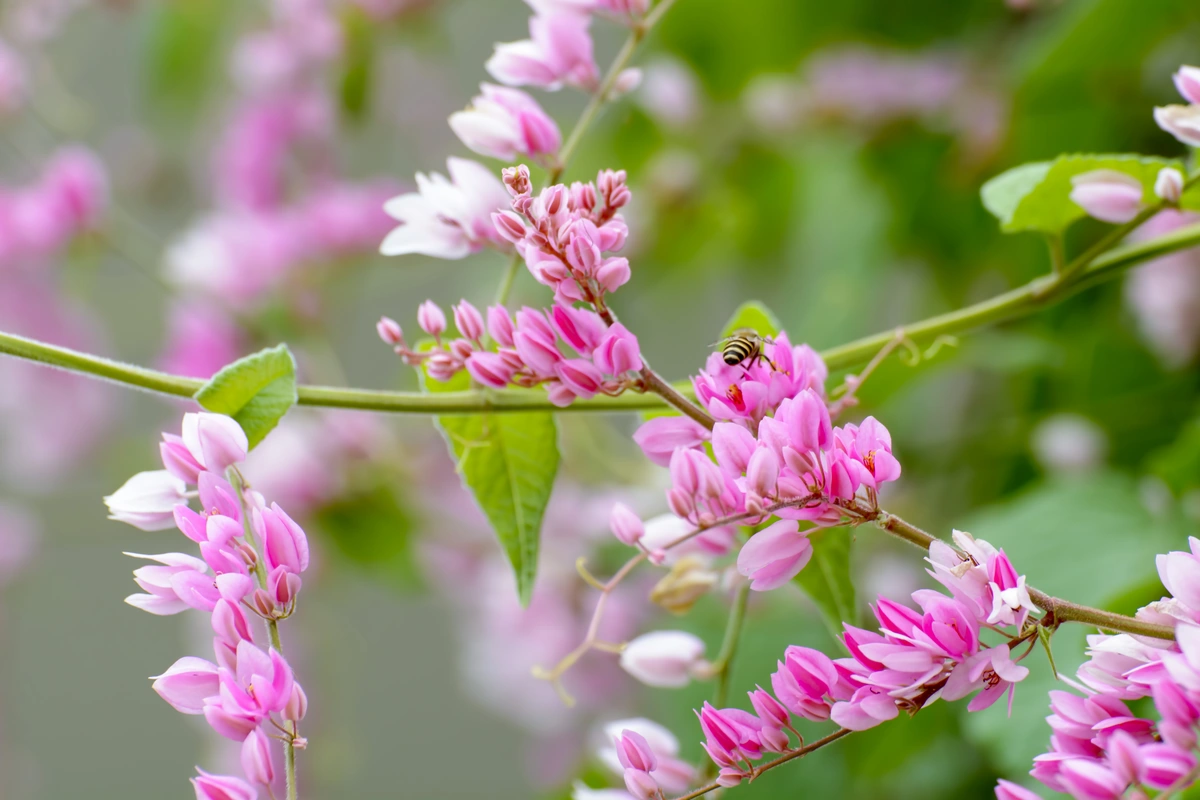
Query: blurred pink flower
[
  {"x": 13, "y": 81},
  {"x": 201, "y": 338},
  {"x": 506, "y": 123},
  {"x": 663, "y": 658},
  {"x": 1107, "y": 195},
  {"x": 558, "y": 52},
  {"x": 1165, "y": 293}
]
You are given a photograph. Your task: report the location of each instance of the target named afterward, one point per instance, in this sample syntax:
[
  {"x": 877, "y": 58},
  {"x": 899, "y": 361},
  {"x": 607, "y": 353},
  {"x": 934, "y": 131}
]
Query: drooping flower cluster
[
  {"x": 530, "y": 350},
  {"x": 40, "y": 219},
  {"x": 915, "y": 657},
  {"x": 251, "y": 559},
  {"x": 753, "y": 389},
  {"x": 564, "y": 233},
  {"x": 1099, "y": 748}
]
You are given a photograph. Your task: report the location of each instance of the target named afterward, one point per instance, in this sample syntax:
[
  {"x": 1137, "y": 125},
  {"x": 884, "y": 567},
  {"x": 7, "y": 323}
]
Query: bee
[{"x": 745, "y": 345}]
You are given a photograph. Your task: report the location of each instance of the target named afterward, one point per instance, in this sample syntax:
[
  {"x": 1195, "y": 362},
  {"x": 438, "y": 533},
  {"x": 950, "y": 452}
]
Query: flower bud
[
  {"x": 663, "y": 658},
  {"x": 230, "y": 624},
  {"x": 618, "y": 352},
  {"x": 441, "y": 366},
  {"x": 256, "y": 758},
  {"x": 1107, "y": 195},
  {"x": 284, "y": 542},
  {"x": 283, "y": 585},
  {"x": 773, "y": 739},
  {"x": 688, "y": 581},
  {"x": 147, "y": 500},
  {"x": 762, "y": 472},
  {"x": 469, "y": 321},
  {"x": 178, "y": 459},
  {"x": 431, "y": 318},
  {"x": 500, "y": 325},
  {"x": 641, "y": 785},
  {"x": 634, "y": 752},
  {"x": 1168, "y": 185},
  {"x": 263, "y": 604},
  {"x": 517, "y": 179},
  {"x": 222, "y": 787},
  {"x": 389, "y": 331},
  {"x": 490, "y": 369},
  {"x": 627, "y": 81},
  {"x": 626, "y": 525},
  {"x": 461, "y": 350},
  {"x": 660, "y": 437},
  {"x": 1182, "y": 122},
  {"x": 509, "y": 225},
  {"x": 1187, "y": 81},
  {"x": 297, "y": 705},
  {"x": 613, "y": 273},
  {"x": 733, "y": 446},
  {"x": 214, "y": 440}
]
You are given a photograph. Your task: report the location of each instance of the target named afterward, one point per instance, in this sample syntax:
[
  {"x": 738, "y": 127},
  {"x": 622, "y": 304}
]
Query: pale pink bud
[
  {"x": 263, "y": 603},
  {"x": 580, "y": 328},
  {"x": 1168, "y": 185},
  {"x": 500, "y": 325},
  {"x": 222, "y": 787},
  {"x": 284, "y": 585},
  {"x": 532, "y": 322},
  {"x": 214, "y": 440},
  {"x": 297, "y": 705},
  {"x": 641, "y": 785},
  {"x": 774, "y": 740},
  {"x": 256, "y": 758},
  {"x": 661, "y": 436},
  {"x": 1108, "y": 195},
  {"x": 389, "y": 331},
  {"x": 441, "y": 366},
  {"x": 1165, "y": 764},
  {"x": 1187, "y": 81},
  {"x": 460, "y": 350},
  {"x": 808, "y": 425},
  {"x": 516, "y": 179},
  {"x": 147, "y": 500},
  {"x": 680, "y": 502},
  {"x": 634, "y": 752},
  {"x": 774, "y": 555},
  {"x": 178, "y": 459},
  {"x": 618, "y": 351},
  {"x": 431, "y": 318},
  {"x": 663, "y": 658},
  {"x": 762, "y": 472},
  {"x": 1182, "y": 122},
  {"x": 627, "y": 81},
  {"x": 684, "y": 475},
  {"x": 580, "y": 376},
  {"x": 626, "y": 525},
  {"x": 613, "y": 273},
  {"x": 509, "y": 225},
  {"x": 284, "y": 541},
  {"x": 186, "y": 683}
]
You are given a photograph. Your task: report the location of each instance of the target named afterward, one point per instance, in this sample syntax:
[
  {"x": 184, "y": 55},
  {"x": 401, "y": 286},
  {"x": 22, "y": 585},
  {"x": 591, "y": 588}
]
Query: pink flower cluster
[
  {"x": 39, "y": 220},
  {"x": 1099, "y": 748},
  {"x": 530, "y": 350},
  {"x": 915, "y": 657},
  {"x": 564, "y": 233},
  {"x": 251, "y": 559},
  {"x": 749, "y": 391}
]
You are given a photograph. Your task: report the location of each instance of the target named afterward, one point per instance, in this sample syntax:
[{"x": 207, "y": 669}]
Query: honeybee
[{"x": 744, "y": 345}]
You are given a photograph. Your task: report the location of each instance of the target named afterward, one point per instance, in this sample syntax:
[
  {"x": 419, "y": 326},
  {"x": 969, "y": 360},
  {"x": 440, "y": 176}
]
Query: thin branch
[
  {"x": 1009, "y": 305},
  {"x": 783, "y": 759}
]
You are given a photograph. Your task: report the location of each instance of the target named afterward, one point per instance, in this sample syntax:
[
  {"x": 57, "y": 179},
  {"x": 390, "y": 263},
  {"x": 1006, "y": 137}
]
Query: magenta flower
[
  {"x": 163, "y": 584},
  {"x": 1007, "y": 790},
  {"x": 222, "y": 787},
  {"x": 284, "y": 542},
  {"x": 672, "y": 774},
  {"x": 506, "y": 123},
  {"x": 447, "y": 218},
  {"x": 618, "y": 351},
  {"x": 731, "y": 735},
  {"x": 256, "y": 758},
  {"x": 661, "y": 436},
  {"x": 147, "y": 500},
  {"x": 805, "y": 681},
  {"x": 259, "y": 685},
  {"x": 774, "y": 555},
  {"x": 993, "y": 669},
  {"x": 1108, "y": 195},
  {"x": 747, "y": 392},
  {"x": 187, "y": 683},
  {"x": 558, "y": 52},
  {"x": 665, "y": 659}
]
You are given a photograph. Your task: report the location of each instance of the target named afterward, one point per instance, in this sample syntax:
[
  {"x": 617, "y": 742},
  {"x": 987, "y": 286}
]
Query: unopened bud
[
  {"x": 263, "y": 604},
  {"x": 1168, "y": 185},
  {"x": 626, "y": 525},
  {"x": 248, "y": 553},
  {"x": 688, "y": 581},
  {"x": 389, "y": 330},
  {"x": 296, "y": 706},
  {"x": 431, "y": 318}
]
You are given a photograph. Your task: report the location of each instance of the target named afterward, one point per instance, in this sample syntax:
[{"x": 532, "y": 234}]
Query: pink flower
[
  {"x": 256, "y": 758},
  {"x": 731, "y": 735},
  {"x": 469, "y": 321},
  {"x": 500, "y": 325},
  {"x": 491, "y": 369},
  {"x": 214, "y": 440},
  {"x": 389, "y": 331},
  {"x": 1180, "y": 574},
  {"x": 1187, "y": 81},
  {"x": 618, "y": 351},
  {"x": 447, "y": 218},
  {"x": 774, "y": 555},
  {"x": 558, "y": 52},
  {"x": 992, "y": 668},
  {"x": 186, "y": 684},
  {"x": 673, "y": 774},
  {"x": 661, "y": 436},
  {"x": 283, "y": 541},
  {"x": 181, "y": 582},
  {"x": 222, "y": 787},
  {"x": 626, "y": 525},
  {"x": 804, "y": 682},
  {"x": 259, "y": 685},
  {"x": 13, "y": 82},
  {"x": 505, "y": 123},
  {"x": 663, "y": 658},
  {"x": 1007, "y": 790},
  {"x": 1182, "y": 122},
  {"x": 147, "y": 500},
  {"x": 1108, "y": 195}
]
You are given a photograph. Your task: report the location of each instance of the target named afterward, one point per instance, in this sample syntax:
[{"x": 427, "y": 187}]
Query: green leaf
[
  {"x": 1004, "y": 193},
  {"x": 358, "y": 66},
  {"x": 256, "y": 391},
  {"x": 1036, "y": 197},
  {"x": 182, "y": 52},
  {"x": 754, "y": 315},
  {"x": 508, "y": 462},
  {"x": 827, "y": 580},
  {"x": 374, "y": 531}
]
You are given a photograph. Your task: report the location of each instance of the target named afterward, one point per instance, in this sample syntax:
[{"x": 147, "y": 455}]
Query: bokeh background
[{"x": 823, "y": 157}]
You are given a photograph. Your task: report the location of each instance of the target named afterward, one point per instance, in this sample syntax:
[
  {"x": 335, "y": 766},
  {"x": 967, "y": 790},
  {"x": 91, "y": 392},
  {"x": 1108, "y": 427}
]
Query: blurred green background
[{"x": 844, "y": 219}]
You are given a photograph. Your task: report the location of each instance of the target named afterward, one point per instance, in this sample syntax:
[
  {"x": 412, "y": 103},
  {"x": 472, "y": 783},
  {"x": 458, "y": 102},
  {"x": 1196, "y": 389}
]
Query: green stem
[
  {"x": 1016, "y": 303},
  {"x": 599, "y": 97},
  {"x": 1057, "y": 609},
  {"x": 733, "y": 632},
  {"x": 260, "y": 573}
]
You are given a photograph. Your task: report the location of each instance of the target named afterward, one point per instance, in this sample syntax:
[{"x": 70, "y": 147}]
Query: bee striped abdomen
[{"x": 738, "y": 349}]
